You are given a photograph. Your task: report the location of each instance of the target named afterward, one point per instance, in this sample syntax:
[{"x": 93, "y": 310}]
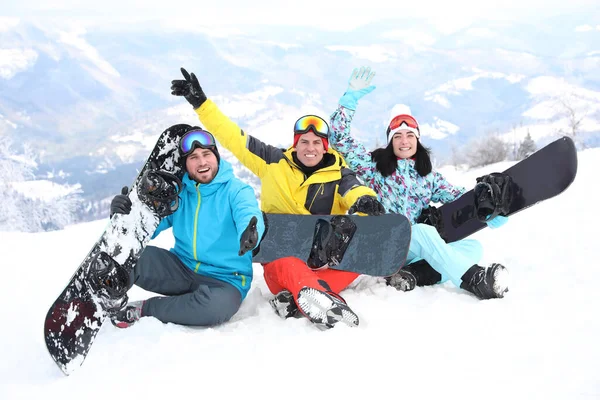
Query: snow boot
[
  {"x": 325, "y": 309},
  {"x": 403, "y": 280},
  {"x": 284, "y": 305},
  {"x": 419, "y": 273},
  {"x": 128, "y": 315},
  {"x": 486, "y": 283}
]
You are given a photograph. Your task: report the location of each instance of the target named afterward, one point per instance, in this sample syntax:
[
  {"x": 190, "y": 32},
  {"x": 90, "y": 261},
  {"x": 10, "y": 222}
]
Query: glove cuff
[
  {"x": 196, "y": 102},
  {"x": 349, "y": 100}
]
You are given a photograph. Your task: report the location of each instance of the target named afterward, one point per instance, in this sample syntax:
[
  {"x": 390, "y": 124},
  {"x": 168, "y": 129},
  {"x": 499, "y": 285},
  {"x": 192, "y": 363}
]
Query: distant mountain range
[{"x": 93, "y": 101}]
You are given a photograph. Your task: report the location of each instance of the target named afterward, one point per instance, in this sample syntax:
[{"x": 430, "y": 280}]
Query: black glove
[
  {"x": 120, "y": 204},
  {"x": 432, "y": 216},
  {"x": 368, "y": 205},
  {"x": 188, "y": 88},
  {"x": 249, "y": 237},
  {"x": 494, "y": 194}
]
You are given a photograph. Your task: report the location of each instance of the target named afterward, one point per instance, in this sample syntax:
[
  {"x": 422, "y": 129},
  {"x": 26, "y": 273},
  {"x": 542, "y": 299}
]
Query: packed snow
[{"x": 541, "y": 341}]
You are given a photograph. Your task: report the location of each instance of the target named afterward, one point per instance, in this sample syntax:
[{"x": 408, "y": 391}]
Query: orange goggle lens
[
  {"x": 308, "y": 122},
  {"x": 407, "y": 120}
]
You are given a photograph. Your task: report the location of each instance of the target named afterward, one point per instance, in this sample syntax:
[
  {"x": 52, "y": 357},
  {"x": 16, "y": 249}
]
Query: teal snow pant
[
  {"x": 451, "y": 260},
  {"x": 192, "y": 299}
]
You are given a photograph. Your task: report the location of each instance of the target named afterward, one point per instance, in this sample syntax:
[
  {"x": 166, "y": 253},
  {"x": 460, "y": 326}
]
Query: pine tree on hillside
[{"x": 526, "y": 148}]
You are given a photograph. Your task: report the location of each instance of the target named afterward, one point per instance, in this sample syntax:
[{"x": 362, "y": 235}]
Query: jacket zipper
[
  {"x": 196, "y": 228},
  {"x": 322, "y": 188},
  {"x": 243, "y": 277}
]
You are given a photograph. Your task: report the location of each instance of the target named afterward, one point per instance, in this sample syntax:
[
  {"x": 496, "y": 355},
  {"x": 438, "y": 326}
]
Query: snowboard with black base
[
  {"x": 98, "y": 287},
  {"x": 372, "y": 245},
  {"x": 544, "y": 174}
]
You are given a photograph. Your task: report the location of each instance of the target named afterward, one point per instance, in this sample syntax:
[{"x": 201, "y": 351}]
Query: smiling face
[
  {"x": 310, "y": 149},
  {"x": 202, "y": 165},
  {"x": 404, "y": 143}
]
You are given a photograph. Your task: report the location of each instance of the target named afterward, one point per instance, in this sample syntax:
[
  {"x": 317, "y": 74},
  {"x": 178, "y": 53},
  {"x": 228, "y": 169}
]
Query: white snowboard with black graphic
[{"x": 76, "y": 316}]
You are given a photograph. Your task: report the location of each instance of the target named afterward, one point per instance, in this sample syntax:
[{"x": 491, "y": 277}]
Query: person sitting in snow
[
  {"x": 207, "y": 274},
  {"x": 307, "y": 178},
  {"x": 402, "y": 176}
]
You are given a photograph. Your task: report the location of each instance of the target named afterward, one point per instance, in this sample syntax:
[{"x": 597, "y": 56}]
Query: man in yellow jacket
[{"x": 307, "y": 178}]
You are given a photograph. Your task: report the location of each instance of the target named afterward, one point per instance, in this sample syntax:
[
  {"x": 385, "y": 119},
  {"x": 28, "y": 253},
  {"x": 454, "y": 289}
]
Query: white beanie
[{"x": 408, "y": 122}]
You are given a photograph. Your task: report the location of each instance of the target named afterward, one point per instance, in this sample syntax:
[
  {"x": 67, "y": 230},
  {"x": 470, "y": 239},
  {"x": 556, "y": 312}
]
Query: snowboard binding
[
  {"x": 160, "y": 191},
  {"x": 494, "y": 194},
  {"x": 109, "y": 280},
  {"x": 330, "y": 241}
]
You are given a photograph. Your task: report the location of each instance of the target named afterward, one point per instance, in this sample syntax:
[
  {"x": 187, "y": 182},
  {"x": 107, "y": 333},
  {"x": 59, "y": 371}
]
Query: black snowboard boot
[
  {"x": 486, "y": 283},
  {"x": 325, "y": 309},
  {"x": 109, "y": 282},
  {"x": 419, "y": 273},
  {"x": 284, "y": 305}
]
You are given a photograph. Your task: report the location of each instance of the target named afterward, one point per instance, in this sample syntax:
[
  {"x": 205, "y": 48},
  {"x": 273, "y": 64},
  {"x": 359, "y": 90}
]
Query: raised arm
[
  {"x": 251, "y": 152},
  {"x": 354, "y": 152}
]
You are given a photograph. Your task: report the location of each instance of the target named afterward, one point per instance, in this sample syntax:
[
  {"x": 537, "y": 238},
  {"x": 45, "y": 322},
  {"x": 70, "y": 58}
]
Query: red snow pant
[{"x": 292, "y": 274}]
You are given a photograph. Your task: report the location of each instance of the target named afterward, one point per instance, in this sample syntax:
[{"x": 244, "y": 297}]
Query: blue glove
[
  {"x": 497, "y": 221},
  {"x": 359, "y": 85}
]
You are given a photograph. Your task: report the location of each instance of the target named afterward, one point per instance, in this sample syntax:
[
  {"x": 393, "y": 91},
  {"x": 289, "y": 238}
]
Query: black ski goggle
[{"x": 194, "y": 139}]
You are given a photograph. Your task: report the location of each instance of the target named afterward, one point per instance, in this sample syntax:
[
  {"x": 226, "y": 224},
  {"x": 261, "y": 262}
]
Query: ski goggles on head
[
  {"x": 196, "y": 138},
  {"x": 403, "y": 121},
  {"x": 314, "y": 123}
]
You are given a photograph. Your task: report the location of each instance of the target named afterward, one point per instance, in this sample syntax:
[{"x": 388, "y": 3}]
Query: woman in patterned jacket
[{"x": 402, "y": 176}]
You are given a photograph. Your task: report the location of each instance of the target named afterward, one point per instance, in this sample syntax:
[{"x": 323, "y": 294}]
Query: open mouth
[{"x": 203, "y": 170}]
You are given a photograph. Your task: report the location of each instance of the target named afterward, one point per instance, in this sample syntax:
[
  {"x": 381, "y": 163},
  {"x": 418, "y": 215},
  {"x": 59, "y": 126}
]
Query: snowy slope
[{"x": 541, "y": 341}]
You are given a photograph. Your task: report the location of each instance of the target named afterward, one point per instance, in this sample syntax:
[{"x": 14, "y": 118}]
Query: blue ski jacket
[{"x": 208, "y": 226}]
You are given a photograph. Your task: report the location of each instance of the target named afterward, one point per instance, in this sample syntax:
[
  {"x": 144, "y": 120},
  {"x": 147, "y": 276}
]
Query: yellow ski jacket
[{"x": 285, "y": 188}]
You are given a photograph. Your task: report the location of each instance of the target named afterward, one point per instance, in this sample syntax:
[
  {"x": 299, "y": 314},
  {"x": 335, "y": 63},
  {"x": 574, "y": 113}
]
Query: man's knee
[
  {"x": 285, "y": 261},
  {"x": 214, "y": 306},
  {"x": 282, "y": 263},
  {"x": 151, "y": 253},
  {"x": 148, "y": 256}
]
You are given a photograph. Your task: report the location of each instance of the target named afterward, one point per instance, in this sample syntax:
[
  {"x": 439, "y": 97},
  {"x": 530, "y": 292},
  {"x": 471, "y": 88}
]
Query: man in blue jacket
[{"x": 208, "y": 272}]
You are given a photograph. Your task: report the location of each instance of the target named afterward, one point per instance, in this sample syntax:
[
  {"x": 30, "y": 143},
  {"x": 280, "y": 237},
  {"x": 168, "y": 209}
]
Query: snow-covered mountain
[
  {"x": 70, "y": 86},
  {"x": 94, "y": 98},
  {"x": 540, "y": 341}
]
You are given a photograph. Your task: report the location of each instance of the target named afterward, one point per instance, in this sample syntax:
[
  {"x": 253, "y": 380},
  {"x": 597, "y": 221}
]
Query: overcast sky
[{"x": 328, "y": 14}]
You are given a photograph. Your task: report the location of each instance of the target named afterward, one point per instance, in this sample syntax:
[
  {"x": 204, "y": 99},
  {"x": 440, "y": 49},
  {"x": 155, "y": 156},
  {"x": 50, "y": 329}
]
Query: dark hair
[{"x": 387, "y": 162}]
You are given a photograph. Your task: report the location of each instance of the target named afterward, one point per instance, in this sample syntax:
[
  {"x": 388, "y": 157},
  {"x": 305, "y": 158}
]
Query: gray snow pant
[{"x": 192, "y": 299}]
